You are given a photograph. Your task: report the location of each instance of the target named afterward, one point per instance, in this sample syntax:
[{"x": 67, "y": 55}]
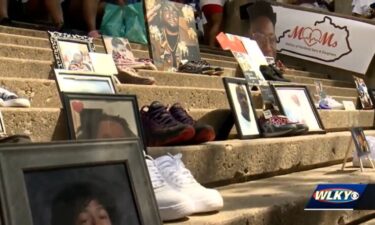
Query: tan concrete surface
[
  {"x": 236, "y": 160},
  {"x": 306, "y": 73},
  {"x": 281, "y": 200},
  {"x": 370, "y": 222}
]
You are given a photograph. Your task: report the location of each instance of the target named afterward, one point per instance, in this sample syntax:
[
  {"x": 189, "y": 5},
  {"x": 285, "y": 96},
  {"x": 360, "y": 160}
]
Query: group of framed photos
[
  {"x": 101, "y": 177},
  {"x": 294, "y": 101}
]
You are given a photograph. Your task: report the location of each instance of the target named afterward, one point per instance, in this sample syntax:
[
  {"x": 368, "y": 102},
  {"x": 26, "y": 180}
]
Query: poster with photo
[
  {"x": 172, "y": 33},
  {"x": 363, "y": 93}
]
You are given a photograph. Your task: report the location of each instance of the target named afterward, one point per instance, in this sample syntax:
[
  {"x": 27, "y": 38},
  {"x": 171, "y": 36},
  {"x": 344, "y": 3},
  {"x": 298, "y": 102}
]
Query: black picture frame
[
  {"x": 57, "y": 37},
  {"x": 231, "y": 86},
  {"x": 22, "y": 200},
  {"x": 287, "y": 111},
  {"x": 102, "y": 108}
]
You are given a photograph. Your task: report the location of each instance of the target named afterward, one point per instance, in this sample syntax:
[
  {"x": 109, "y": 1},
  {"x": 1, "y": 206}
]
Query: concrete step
[
  {"x": 306, "y": 74},
  {"x": 43, "y": 93},
  {"x": 280, "y": 200},
  {"x": 34, "y": 120},
  {"x": 22, "y": 41}
]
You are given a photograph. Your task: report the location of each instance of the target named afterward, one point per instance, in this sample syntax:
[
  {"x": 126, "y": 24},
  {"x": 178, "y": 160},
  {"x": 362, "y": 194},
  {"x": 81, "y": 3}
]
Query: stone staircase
[{"x": 264, "y": 181}]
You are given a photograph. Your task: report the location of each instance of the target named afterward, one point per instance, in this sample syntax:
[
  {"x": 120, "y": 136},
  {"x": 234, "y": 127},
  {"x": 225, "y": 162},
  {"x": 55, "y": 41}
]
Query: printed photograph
[
  {"x": 172, "y": 33},
  {"x": 101, "y": 119},
  {"x": 118, "y": 47},
  {"x": 297, "y": 107},
  {"x": 89, "y": 195},
  {"x": 75, "y": 56},
  {"x": 243, "y": 110},
  {"x": 363, "y": 93},
  {"x": 361, "y": 144}
]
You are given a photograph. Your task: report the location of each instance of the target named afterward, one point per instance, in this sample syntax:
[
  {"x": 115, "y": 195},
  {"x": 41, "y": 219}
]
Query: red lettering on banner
[{"x": 313, "y": 36}]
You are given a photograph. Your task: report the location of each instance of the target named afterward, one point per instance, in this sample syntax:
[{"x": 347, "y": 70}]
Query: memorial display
[{"x": 364, "y": 96}]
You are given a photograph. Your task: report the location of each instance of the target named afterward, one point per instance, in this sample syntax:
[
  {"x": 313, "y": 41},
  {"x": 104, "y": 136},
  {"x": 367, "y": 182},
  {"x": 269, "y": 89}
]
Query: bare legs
[
  {"x": 212, "y": 28},
  {"x": 55, "y": 10},
  {"x": 88, "y": 9},
  {"x": 3, "y": 9}
]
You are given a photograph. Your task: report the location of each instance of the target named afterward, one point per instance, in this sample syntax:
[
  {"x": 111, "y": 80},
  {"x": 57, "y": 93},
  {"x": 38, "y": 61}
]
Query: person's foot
[
  {"x": 94, "y": 34},
  {"x": 130, "y": 76},
  {"x": 5, "y": 21}
]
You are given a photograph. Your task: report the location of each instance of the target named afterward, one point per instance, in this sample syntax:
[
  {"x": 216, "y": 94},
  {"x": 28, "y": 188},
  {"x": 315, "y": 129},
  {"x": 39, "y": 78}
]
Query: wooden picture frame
[
  {"x": 84, "y": 82},
  {"x": 295, "y": 102},
  {"x": 35, "y": 179},
  {"x": 67, "y": 48},
  {"x": 246, "y": 120},
  {"x": 95, "y": 116}
]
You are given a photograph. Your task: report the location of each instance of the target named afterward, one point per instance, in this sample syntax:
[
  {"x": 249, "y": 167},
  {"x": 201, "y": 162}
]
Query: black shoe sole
[{"x": 280, "y": 133}]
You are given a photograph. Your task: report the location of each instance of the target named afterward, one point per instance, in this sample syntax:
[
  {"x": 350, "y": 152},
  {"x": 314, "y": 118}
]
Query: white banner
[{"x": 329, "y": 40}]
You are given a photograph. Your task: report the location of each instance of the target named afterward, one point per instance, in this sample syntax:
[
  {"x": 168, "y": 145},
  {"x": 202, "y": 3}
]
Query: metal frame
[
  {"x": 68, "y": 97},
  {"x": 16, "y": 159},
  {"x": 55, "y": 37}
]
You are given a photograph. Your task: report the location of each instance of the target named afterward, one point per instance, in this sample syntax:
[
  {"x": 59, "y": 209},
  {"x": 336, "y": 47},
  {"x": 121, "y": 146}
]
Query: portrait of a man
[{"x": 172, "y": 33}]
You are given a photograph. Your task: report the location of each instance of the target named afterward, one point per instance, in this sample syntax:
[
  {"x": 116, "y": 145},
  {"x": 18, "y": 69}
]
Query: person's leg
[
  {"x": 214, "y": 17},
  {"x": 54, "y": 9},
  {"x": 3, "y": 9},
  {"x": 88, "y": 10}
]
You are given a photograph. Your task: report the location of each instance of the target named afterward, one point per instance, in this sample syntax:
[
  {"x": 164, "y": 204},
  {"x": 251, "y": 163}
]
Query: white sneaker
[
  {"x": 180, "y": 178},
  {"x": 171, "y": 203},
  {"x": 330, "y": 103},
  {"x": 9, "y": 99}
]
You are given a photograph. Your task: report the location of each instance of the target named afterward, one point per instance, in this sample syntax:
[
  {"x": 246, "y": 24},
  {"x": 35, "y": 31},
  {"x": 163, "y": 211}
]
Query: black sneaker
[
  {"x": 270, "y": 74},
  {"x": 203, "y": 132},
  {"x": 161, "y": 128},
  {"x": 276, "y": 126}
]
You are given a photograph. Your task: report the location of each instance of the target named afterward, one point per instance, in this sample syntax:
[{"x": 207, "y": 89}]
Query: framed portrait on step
[
  {"x": 239, "y": 98},
  {"x": 97, "y": 182},
  {"x": 84, "y": 82},
  {"x": 363, "y": 93},
  {"x": 71, "y": 52},
  {"x": 295, "y": 102},
  {"x": 96, "y": 116}
]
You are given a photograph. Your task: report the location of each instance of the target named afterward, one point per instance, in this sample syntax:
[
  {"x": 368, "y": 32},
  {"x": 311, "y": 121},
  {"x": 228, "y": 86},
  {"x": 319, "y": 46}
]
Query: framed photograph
[
  {"x": 76, "y": 183},
  {"x": 92, "y": 116},
  {"x": 296, "y": 103},
  {"x": 239, "y": 97},
  {"x": 363, "y": 94},
  {"x": 361, "y": 145},
  {"x": 71, "y": 51},
  {"x": 83, "y": 82},
  {"x": 172, "y": 33}
]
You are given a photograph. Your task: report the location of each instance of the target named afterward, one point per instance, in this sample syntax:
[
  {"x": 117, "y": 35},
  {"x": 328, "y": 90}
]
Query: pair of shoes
[
  {"x": 10, "y": 99},
  {"x": 177, "y": 193},
  {"x": 272, "y": 73},
  {"x": 174, "y": 126},
  {"x": 199, "y": 67},
  {"x": 128, "y": 75},
  {"x": 329, "y": 103}
]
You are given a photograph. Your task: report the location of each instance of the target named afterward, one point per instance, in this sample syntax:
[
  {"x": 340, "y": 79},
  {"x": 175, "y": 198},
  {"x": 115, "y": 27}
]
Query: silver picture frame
[
  {"x": 32, "y": 189},
  {"x": 74, "y": 44},
  {"x": 84, "y": 82}
]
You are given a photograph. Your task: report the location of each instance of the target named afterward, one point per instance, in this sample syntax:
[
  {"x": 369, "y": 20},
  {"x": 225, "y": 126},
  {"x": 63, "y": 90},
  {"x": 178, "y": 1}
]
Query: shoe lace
[
  {"x": 157, "y": 179},
  {"x": 177, "y": 172},
  {"x": 181, "y": 115},
  {"x": 163, "y": 117},
  {"x": 5, "y": 94}
]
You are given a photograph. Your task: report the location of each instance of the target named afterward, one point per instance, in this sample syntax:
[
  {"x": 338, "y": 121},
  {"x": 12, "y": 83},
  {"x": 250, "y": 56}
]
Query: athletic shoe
[
  {"x": 203, "y": 132},
  {"x": 199, "y": 67},
  {"x": 300, "y": 127},
  {"x": 171, "y": 203},
  {"x": 269, "y": 74},
  {"x": 277, "y": 126},
  {"x": 9, "y": 99},
  {"x": 161, "y": 128},
  {"x": 330, "y": 103},
  {"x": 180, "y": 178}
]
